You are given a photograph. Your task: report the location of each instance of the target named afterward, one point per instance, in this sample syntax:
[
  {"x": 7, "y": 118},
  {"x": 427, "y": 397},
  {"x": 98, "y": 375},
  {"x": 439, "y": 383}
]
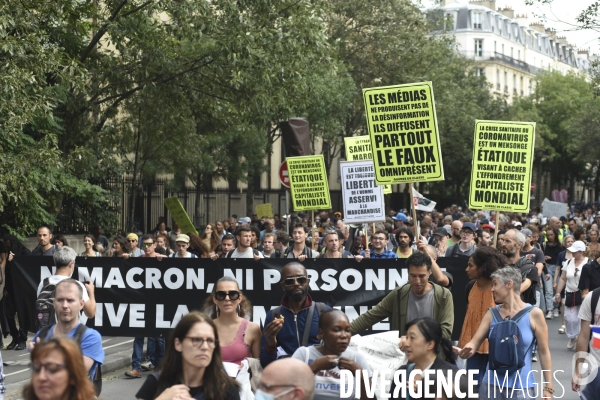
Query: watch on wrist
[{"x": 548, "y": 389}]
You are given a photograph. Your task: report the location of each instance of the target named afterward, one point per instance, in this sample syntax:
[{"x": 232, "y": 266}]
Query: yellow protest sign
[
  {"x": 359, "y": 148},
  {"x": 502, "y": 165},
  {"x": 402, "y": 125},
  {"x": 308, "y": 181},
  {"x": 179, "y": 215},
  {"x": 264, "y": 210}
]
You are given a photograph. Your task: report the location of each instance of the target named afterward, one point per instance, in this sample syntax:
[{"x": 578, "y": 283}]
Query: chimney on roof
[
  {"x": 491, "y": 4},
  {"x": 538, "y": 26},
  {"x": 507, "y": 12},
  {"x": 563, "y": 40}
]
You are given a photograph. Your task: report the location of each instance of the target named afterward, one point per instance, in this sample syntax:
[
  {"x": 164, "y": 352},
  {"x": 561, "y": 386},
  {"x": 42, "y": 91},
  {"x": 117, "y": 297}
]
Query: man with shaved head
[
  {"x": 287, "y": 378},
  {"x": 295, "y": 322},
  {"x": 456, "y": 227}
]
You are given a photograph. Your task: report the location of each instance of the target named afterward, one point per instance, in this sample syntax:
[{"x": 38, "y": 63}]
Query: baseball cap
[
  {"x": 441, "y": 232},
  {"x": 244, "y": 220},
  {"x": 526, "y": 232},
  {"x": 517, "y": 223},
  {"x": 399, "y": 217},
  {"x": 448, "y": 229},
  {"x": 577, "y": 246},
  {"x": 485, "y": 221},
  {"x": 133, "y": 236},
  {"x": 182, "y": 238},
  {"x": 469, "y": 225},
  {"x": 489, "y": 226},
  {"x": 534, "y": 221}
]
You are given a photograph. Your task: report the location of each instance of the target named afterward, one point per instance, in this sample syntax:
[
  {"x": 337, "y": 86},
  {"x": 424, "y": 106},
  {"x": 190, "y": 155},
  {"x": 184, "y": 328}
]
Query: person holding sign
[
  {"x": 419, "y": 298},
  {"x": 380, "y": 241}
]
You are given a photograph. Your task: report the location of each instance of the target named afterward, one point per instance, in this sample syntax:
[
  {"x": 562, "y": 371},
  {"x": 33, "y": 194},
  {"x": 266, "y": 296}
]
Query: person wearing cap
[
  {"x": 441, "y": 236},
  {"x": 517, "y": 225},
  {"x": 455, "y": 229},
  {"x": 133, "y": 241},
  {"x": 399, "y": 221},
  {"x": 544, "y": 288},
  {"x": 182, "y": 242},
  {"x": 465, "y": 247},
  {"x": 244, "y": 221},
  {"x": 569, "y": 277}
]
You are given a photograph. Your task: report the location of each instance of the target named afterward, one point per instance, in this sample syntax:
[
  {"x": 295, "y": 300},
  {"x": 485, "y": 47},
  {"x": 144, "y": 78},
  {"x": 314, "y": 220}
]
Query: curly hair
[
  {"x": 197, "y": 246},
  {"x": 214, "y": 236},
  {"x": 488, "y": 260},
  {"x": 125, "y": 248},
  {"x": 210, "y": 308},
  {"x": 80, "y": 387}
]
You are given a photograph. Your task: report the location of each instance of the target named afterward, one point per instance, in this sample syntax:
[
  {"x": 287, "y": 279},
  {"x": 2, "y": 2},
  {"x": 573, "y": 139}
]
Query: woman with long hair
[
  {"x": 58, "y": 372},
  {"x": 333, "y": 354},
  {"x": 192, "y": 366},
  {"x": 482, "y": 264},
  {"x": 210, "y": 237},
  {"x": 121, "y": 247},
  {"x": 60, "y": 240},
  {"x": 197, "y": 246},
  {"x": 162, "y": 241},
  {"x": 315, "y": 241},
  {"x": 357, "y": 246},
  {"x": 424, "y": 344},
  {"x": 90, "y": 247},
  {"x": 230, "y": 310}
]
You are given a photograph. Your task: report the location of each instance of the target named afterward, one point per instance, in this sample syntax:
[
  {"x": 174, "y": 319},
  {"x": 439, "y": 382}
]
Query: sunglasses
[
  {"x": 291, "y": 280},
  {"x": 131, "y": 240},
  {"x": 51, "y": 368},
  {"x": 147, "y": 244},
  {"x": 221, "y": 295}
]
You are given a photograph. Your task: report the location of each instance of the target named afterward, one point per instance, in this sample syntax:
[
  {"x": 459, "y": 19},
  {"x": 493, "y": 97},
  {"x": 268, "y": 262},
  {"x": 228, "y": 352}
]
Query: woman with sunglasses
[
  {"x": 58, "y": 372},
  {"x": 569, "y": 278},
  {"x": 327, "y": 360},
  {"x": 192, "y": 366},
  {"x": 229, "y": 310}
]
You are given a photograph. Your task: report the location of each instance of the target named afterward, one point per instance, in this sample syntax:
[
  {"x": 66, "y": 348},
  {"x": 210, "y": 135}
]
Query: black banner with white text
[{"x": 147, "y": 297}]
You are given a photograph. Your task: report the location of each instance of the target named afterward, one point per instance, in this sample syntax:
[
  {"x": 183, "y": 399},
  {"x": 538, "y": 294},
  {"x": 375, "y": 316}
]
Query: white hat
[
  {"x": 517, "y": 223},
  {"x": 577, "y": 246}
]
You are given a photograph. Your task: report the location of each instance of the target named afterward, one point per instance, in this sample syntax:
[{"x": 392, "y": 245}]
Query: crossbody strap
[{"x": 307, "y": 326}]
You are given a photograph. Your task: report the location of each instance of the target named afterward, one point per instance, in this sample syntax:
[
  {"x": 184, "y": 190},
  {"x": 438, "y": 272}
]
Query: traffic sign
[
  {"x": 284, "y": 176},
  {"x": 533, "y": 187}
]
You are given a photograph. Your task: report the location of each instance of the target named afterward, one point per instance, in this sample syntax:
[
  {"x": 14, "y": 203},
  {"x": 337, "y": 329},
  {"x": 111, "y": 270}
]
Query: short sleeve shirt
[
  {"x": 420, "y": 306},
  {"x": 249, "y": 253},
  {"x": 593, "y": 317}
]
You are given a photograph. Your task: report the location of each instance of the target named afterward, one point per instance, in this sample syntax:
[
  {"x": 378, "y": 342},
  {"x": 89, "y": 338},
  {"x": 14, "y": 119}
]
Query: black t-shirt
[
  {"x": 528, "y": 268},
  {"x": 148, "y": 390},
  {"x": 553, "y": 252},
  {"x": 590, "y": 276}
]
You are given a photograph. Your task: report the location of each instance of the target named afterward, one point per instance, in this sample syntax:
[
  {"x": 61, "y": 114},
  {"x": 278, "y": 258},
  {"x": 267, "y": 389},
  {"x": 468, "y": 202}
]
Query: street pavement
[{"x": 118, "y": 358}]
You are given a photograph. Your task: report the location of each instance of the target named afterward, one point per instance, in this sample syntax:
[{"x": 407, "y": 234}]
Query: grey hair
[
  {"x": 63, "y": 256},
  {"x": 508, "y": 273},
  {"x": 330, "y": 233},
  {"x": 519, "y": 237}
]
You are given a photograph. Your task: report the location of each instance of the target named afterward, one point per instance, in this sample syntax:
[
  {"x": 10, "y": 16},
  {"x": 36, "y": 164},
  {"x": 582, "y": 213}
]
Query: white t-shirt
[
  {"x": 54, "y": 279},
  {"x": 249, "y": 253},
  {"x": 585, "y": 314},
  {"x": 572, "y": 278}
]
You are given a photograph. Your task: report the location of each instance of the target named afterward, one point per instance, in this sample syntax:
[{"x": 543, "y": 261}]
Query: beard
[
  {"x": 508, "y": 253},
  {"x": 298, "y": 296}
]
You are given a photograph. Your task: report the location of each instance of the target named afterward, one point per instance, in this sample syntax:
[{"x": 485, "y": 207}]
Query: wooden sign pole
[
  {"x": 414, "y": 211},
  {"x": 495, "y": 243}
]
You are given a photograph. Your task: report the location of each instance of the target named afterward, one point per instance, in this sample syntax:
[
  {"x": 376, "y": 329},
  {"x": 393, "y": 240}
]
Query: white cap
[{"x": 577, "y": 246}]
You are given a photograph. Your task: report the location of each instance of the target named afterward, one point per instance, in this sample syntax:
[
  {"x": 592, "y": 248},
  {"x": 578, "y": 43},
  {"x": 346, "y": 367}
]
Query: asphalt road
[{"x": 118, "y": 350}]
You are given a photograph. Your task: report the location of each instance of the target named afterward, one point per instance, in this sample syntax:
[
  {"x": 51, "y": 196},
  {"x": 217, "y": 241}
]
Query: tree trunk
[{"x": 250, "y": 190}]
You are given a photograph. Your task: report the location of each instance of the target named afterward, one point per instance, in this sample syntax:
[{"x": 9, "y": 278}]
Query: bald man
[{"x": 287, "y": 377}]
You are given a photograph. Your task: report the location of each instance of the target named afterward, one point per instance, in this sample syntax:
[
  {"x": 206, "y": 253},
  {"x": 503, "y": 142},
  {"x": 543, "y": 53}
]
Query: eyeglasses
[
  {"x": 291, "y": 280},
  {"x": 466, "y": 233},
  {"x": 198, "y": 342},
  {"x": 221, "y": 295},
  {"x": 147, "y": 244},
  {"x": 268, "y": 388},
  {"x": 576, "y": 271},
  {"x": 51, "y": 368}
]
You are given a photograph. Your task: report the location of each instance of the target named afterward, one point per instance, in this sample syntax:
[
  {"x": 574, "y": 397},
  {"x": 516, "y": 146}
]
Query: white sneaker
[
  {"x": 571, "y": 344},
  {"x": 556, "y": 313},
  {"x": 549, "y": 314},
  {"x": 534, "y": 358},
  {"x": 147, "y": 366}
]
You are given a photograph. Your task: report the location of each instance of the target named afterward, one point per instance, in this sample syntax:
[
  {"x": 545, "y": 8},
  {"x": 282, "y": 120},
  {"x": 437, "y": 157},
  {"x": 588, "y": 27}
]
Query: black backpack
[
  {"x": 44, "y": 305},
  {"x": 77, "y": 338},
  {"x": 528, "y": 296}
]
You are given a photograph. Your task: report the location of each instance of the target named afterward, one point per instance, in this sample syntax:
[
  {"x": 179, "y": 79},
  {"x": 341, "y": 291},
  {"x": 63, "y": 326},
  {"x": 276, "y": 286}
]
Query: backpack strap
[
  {"x": 454, "y": 249},
  {"x": 229, "y": 253},
  {"x": 496, "y": 314},
  {"x": 595, "y": 298},
  {"x": 44, "y": 332},
  {"x": 308, "y": 325},
  {"x": 522, "y": 313},
  {"x": 79, "y": 332},
  {"x": 321, "y": 307}
]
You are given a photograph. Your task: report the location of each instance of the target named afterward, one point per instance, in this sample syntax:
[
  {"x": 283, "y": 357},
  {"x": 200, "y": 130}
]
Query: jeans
[
  {"x": 550, "y": 289},
  {"x": 155, "y": 351},
  {"x": 478, "y": 362}
]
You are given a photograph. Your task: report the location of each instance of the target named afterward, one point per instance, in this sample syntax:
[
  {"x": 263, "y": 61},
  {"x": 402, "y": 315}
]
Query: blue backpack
[{"x": 507, "y": 352}]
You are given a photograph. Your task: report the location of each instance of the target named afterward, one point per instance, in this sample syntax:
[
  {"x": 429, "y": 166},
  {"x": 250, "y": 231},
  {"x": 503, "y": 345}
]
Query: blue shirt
[
  {"x": 525, "y": 379},
  {"x": 385, "y": 254},
  {"x": 91, "y": 345}
]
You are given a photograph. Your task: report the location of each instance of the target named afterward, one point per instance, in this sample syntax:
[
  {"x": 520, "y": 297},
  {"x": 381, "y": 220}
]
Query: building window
[
  {"x": 519, "y": 54},
  {"x": 502, "y": 48},
  {"x": 497, "y": 79},
  {"x": 477, "y": 20},
  {"x": 514, "y": 83},
  {"x": 512, "y": 52},
  {"x": 506, "y": 82},
  {"x": 495, "y": 47},
  {"x": 480, "y": 71},
  {"x": 478, "y": 47}
]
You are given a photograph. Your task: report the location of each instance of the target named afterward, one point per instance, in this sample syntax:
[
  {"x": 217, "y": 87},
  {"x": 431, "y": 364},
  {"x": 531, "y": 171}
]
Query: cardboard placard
[
  {"x": 402, "y": 124},
  {"x": 359, "y": 148},
  {"x": 179, "y": 215},
  {"x": 502, "y": 165},
  {"x": 363, "y": 199},
  {"x": 264, "y": 210},
  {"x": 308, "y": 181}
]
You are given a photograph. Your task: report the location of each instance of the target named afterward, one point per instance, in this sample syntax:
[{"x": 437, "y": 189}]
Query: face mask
[{"x": 260, "y": 395}]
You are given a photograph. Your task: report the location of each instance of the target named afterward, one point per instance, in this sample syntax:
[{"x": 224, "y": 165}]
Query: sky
[{"x": 559, "y": 14}]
